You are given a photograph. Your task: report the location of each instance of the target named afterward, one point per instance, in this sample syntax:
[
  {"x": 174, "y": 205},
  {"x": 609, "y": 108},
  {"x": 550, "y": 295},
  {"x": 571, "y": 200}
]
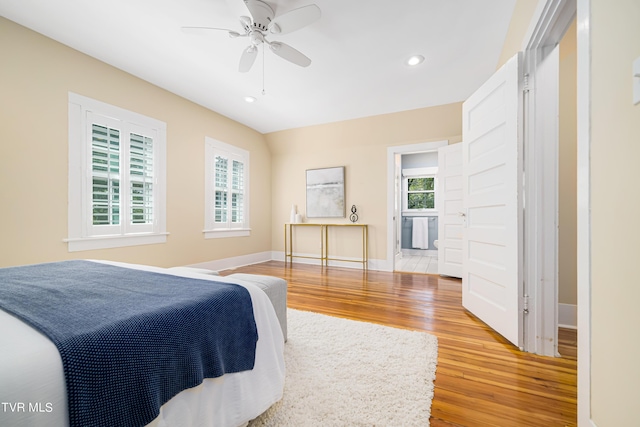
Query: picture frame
[{"x": 325, "y": 193}]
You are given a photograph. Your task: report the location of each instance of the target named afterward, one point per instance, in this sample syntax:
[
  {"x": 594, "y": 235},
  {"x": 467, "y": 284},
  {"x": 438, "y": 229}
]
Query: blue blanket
[{"x": 131, "y": 339}]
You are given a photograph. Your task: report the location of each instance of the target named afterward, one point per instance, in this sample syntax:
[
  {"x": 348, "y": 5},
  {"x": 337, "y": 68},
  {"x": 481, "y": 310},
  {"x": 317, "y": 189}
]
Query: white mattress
[{"x": 32, "y": 388}]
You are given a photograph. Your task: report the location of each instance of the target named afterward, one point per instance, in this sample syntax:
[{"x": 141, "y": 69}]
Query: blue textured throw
[{"x": 129, "y": 339}]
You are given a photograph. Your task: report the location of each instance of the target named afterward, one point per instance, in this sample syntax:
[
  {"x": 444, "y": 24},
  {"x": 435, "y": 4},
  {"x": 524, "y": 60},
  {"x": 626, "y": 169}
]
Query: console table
[{"x": 324, "y": 256}]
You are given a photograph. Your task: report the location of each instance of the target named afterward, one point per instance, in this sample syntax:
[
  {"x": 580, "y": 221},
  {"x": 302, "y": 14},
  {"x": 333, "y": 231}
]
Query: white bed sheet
[{"x": 32, "y": 387}]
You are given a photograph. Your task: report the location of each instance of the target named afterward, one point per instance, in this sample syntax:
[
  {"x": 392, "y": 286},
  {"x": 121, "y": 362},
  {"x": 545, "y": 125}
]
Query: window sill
[
  {"x": 222, "y": 233},
  {"x": 108, "y": 242}
]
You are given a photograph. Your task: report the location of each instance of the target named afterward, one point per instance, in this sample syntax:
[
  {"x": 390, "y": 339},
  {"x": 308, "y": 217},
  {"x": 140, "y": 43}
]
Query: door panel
[
  {"x": 450, "y": 210},
  {"x": 491, "y": 191}
]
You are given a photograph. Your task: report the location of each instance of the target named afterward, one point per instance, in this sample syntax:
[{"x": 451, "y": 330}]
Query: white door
[
  {"x": 492, "y": 178},
  {"x": 450, "y": 210}
]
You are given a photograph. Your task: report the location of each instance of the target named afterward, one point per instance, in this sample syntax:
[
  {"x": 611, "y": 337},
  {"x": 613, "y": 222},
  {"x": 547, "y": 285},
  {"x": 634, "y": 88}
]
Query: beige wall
[
  {"x": 518, "y": 27},
  {"x": 361, "y": 146},
  {"x": 35, "y": 77},
  {"x": 615, "y": 150},
  {"x": 567, "y": 171}
]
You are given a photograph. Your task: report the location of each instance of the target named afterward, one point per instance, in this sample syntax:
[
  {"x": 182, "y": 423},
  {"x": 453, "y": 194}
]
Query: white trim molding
[
  {"x": 568, "y": 316},
  {"x": 83, "y": 234},
  {"x": 228, "y": 228},
  {"x": 551, "y": 20},
  {"x": 232, "y": 232},
  {"x": 355, "y": 263},
  {"x": 584, "y": 212},
  {"x": 233, "y": 262}
]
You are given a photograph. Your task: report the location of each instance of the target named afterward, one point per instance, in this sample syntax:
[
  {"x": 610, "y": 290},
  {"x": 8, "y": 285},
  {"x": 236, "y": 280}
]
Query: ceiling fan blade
[
  {"x": 209, "y": 30},
  {"x": 247, "y": 59},
  {"x": 238, "y": 7},
  {"x": 295, "y": 19},
  {"x": 290, "y": 54}
]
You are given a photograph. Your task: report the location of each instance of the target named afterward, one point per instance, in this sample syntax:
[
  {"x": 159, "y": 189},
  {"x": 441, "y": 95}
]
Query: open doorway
[
  {"x": 540, "y": 306},
  {"x": 417, "y": 157},
  {"x": 418, "y": 203}
]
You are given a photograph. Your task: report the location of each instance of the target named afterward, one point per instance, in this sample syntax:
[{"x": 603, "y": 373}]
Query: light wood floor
[{"x": 481, "y": 379}]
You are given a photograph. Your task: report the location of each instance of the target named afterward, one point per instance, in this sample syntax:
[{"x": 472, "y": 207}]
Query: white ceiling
[{"x": 357, "y": 50}]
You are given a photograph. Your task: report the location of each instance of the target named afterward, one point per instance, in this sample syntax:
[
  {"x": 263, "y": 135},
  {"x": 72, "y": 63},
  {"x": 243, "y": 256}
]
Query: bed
[{"x": 33, "y": 387}]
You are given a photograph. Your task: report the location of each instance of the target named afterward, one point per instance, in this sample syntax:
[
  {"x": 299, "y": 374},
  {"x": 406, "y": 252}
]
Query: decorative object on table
[
  {"x": 354, "y": 216},
  {"x": 298, "y": 218},
  {"x": 325, "y": 193},
  {"x": 294, "y": 212}
]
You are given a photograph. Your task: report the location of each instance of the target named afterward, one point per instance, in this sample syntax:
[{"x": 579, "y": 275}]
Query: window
[
  {"x": 226, "y": 190},
  {"x": 421, "y": 193},
  {"x": 419, "y": 189},
  {"x": 116, "y": 176}
]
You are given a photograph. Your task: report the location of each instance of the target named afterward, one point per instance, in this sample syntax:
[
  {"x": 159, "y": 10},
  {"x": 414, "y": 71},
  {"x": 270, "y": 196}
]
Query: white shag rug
[{"x": 345, "y": 373}]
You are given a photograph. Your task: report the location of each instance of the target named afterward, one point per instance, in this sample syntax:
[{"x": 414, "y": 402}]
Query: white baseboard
[
  {"x": 234, "y": 262},
  {"x": 373, "y": 264},
  {"x": 568, "y": 316}
]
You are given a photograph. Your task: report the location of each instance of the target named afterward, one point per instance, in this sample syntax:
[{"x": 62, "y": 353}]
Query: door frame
[
  {"x": 393, "y": 190},
  {"x": 550, "y": 14},
  {"x": 584, "y": 212},
  {"x": 551, "y": 20}
]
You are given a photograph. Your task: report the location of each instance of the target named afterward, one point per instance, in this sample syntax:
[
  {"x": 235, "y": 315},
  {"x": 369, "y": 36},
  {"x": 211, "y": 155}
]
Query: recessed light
[
  {"x": 250, "y": 99},
  {"x": 414, "y": 60}
]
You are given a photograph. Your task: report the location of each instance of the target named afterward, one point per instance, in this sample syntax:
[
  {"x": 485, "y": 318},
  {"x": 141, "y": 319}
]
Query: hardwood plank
[{"x": 481, "y": 379}]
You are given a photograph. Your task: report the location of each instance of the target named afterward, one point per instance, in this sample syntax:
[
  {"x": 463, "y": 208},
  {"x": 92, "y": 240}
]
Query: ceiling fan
[{"x": 262, "y": 22}]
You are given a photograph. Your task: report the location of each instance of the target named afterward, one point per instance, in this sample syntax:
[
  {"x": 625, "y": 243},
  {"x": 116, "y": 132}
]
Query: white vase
[
  {"x": 298, "y": 219},
  {"x": 294, "y": 211}
]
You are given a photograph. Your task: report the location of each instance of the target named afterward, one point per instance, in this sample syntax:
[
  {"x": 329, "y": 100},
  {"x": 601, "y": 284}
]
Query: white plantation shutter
[
  {"x": 117, "y": 178},
  {"x": 122, "y": 177},
  {"x": 226, "y": 187},
  {"x": 141, "y": 179},
  {"x": 237, "y": 192},
  {"x": 105, "y": 175},
  {"x": 222, "y": 190},
  {"x": 103, "y": 200},
  {"x": 229, "y": 191}
]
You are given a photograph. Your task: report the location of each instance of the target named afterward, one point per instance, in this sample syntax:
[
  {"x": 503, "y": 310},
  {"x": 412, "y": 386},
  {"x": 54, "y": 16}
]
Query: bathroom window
[
  {"x": 421, "y": 193},
  {"x": 419, "y": 189}
]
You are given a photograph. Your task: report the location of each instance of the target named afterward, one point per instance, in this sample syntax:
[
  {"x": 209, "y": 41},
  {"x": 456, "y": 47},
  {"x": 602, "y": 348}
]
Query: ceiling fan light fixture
[
  {"x": 414, "y": 60},
  {"x": 261, "y": 22}
]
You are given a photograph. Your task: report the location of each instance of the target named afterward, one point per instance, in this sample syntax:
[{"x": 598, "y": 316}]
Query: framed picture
[{"x": 325, "y": 193}]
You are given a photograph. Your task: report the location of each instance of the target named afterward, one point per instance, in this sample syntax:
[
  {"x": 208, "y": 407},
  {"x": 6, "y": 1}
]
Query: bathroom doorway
[{"x": 412, "y": 174}]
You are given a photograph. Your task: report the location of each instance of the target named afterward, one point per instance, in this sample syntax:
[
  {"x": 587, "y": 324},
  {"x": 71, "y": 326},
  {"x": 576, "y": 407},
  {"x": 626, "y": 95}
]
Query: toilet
[{"x": 435, "y": 243}]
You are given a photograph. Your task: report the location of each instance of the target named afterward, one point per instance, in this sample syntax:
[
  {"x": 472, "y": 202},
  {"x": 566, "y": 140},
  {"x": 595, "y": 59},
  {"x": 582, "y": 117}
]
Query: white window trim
[
  {"x": 419, "y": 173},
  {"x": 211, "y": 230},
  {"x": 79, "y": 210}
]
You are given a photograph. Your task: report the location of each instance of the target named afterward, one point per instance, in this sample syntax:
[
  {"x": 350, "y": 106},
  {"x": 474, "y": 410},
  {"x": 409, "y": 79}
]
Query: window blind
[
  {"x": 221, "y": 186},
  {"x": 237, "y": 192},
  {"x": 141, "y": 178},
  {"x": 105, "y": 173}
]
